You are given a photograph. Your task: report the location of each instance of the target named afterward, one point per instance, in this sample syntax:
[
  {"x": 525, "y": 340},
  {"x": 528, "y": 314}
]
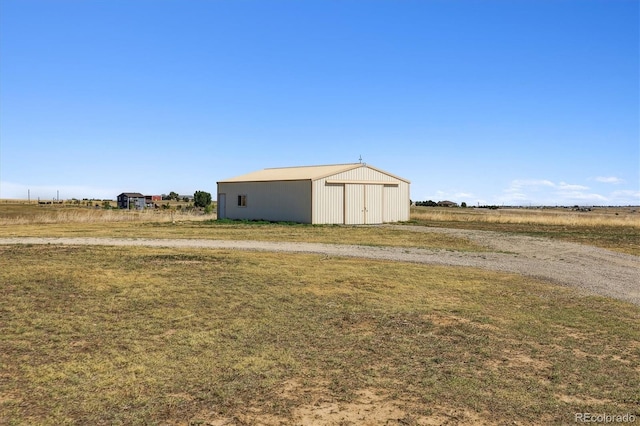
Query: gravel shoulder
[{"x": 592, "y": 270}]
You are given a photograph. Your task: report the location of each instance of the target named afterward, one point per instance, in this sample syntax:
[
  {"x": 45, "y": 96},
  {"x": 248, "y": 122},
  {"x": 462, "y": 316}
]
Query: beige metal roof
[
  {"x": 302, "y": 173},
  {"x": 294, "y": 173}
]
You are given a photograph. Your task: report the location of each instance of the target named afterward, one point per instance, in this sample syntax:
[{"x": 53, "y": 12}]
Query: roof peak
[
  {"x": 302, "y": 173},
  {"x": 316, "y": 165}
]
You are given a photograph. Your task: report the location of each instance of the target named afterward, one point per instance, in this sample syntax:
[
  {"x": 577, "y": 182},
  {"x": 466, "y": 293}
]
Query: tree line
[
  {"x": 200, "y": 198},
  {"x": 431, "y": 203}
]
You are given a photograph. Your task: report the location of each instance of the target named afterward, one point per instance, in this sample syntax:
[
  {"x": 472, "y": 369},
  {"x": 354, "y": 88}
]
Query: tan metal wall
[
  {"x": 360, "y": 202},
  {"x": 274, "y": 201},
  {"x": 396, "y": 203},
  {"x": 328, "y": 205},
  {"x": 363, "y": 173},
  {"x": 391, "y": 196}
]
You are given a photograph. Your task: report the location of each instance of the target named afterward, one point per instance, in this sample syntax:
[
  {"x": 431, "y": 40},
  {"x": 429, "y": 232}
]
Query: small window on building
[{"x": 242, "y": 201}]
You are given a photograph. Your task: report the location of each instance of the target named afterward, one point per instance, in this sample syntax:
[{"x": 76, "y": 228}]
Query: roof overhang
[{"x": 361, "y": 182}]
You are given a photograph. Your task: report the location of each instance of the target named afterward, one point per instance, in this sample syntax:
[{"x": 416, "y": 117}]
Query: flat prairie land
[
  {"x": 613, "y": 228},
  {"x": 194, "y": 336}
]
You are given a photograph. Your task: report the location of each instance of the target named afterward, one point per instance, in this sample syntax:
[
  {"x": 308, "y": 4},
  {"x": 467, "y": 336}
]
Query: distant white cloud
[
  {"x": 547, "y": 192},
  {"x": 582, "y": 197},
  {"x": 520, "y": 189},
  {"x": 537, "y": 192},
  {"x": 626, "y": 197},
  {"x": 569, "y": 187},
  {"x": 609, "y": 179},
  {"x": 531, "y": 183}
]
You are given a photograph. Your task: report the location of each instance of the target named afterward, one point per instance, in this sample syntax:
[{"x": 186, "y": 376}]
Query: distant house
[
  {"x": 131, "y": 200},
  {"x": 150, "y": 201},
  {"x": 447, "y": 204}
]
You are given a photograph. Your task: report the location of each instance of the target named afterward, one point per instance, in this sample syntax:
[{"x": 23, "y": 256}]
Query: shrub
[{"x": 201, "y": 199}]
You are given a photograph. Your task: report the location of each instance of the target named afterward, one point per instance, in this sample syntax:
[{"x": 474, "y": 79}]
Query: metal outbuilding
[{"x": 351, "y": 194}]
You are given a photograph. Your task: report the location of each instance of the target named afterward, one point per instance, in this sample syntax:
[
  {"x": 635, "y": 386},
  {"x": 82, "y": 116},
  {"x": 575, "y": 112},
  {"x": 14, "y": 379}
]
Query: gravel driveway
[{"x": 591, "y": 269}]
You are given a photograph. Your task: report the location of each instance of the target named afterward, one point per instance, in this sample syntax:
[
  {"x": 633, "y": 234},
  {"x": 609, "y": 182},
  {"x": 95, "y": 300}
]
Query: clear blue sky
[{"x": 491, "y": 102}]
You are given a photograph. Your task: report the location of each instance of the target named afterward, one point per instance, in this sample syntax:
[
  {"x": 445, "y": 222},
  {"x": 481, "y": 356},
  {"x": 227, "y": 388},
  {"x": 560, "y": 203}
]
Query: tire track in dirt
[{"x": 591, "y": 269}]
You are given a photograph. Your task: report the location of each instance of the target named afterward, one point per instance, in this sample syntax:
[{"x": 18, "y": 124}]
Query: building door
[
  {"x": 353, "y": 204},
  {"x": 363, "y": 204},
  {"x": 222, "y": 206},
  {"x": 373, "y": 204}
]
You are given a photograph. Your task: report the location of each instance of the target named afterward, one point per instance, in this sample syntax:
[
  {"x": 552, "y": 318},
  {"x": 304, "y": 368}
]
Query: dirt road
[{"x": 591, "y": 269}]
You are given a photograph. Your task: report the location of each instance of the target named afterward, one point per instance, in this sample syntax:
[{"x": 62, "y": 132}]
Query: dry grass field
[
  {"x": 97, "y": 335},
  {"x": 558, "y": 216},
  {"x": 135, "y": 335},
  {"x": 22, "y": 220},
  {"x": 20, "y": 212},
  {"x": 611, "y": 228}
]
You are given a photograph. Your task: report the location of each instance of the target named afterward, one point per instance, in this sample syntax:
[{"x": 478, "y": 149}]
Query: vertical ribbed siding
[
  {"x": 346, "y": 203},
  {"x": 354, "y": 204},
  {"x": 328, "y": 203},
  {"x": 373, "y": 203},
  {"x": 391, "y": 199},
  {"x": 404, "y": 202},
  {"x": 363, "y": 173},
  {"x": 274, "y": 201}
]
